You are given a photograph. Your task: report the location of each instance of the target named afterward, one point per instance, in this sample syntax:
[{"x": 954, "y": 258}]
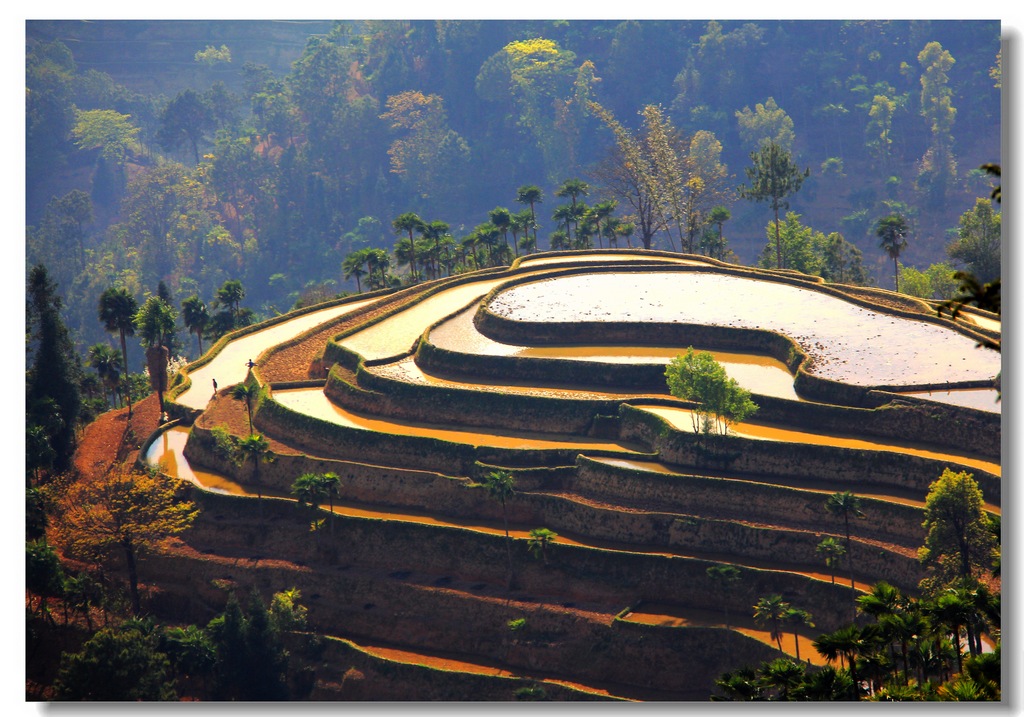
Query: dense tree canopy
[{"x": 266, "y": 167}]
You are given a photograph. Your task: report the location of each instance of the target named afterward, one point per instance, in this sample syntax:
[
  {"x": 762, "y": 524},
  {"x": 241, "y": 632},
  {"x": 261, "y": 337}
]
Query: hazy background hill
[{"x": 268, "y": 151}]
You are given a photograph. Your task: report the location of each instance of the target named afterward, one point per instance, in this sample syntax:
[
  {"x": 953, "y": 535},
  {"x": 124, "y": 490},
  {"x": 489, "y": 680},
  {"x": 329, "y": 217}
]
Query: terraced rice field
[{"x": 416, "y": 563}]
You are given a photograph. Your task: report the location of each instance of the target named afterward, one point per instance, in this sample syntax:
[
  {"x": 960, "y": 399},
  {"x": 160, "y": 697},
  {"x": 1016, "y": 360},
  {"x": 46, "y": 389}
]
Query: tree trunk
[
  {"x": 127, "y": 383},
  {"x": 133, "y": 577}
]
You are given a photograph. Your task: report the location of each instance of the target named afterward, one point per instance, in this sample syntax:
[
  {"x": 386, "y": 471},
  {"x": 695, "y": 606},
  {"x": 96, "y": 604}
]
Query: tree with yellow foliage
[{"x": 127, "y": 511}]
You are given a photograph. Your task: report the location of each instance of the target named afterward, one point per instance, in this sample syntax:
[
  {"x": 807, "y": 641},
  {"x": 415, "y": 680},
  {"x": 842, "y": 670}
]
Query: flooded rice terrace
[
  {"x": 313, "y": 402},
  {"x": 229, "y": 365},
  {"x": 756, "y": 373},
  {"x": 846, "y": 342}
]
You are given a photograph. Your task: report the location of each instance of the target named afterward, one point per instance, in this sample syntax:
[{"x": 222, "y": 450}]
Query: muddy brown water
[
  {"x": 313, "y": 402},
  {"x": 682, "y": 420},
  {"x": 169, "y": 457},
  {"x": 675, "y": 616}
]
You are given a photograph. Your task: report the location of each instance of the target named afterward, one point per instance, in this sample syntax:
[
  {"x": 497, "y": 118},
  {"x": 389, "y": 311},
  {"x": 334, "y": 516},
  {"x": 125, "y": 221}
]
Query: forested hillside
[{"x": 173, "y": 157}]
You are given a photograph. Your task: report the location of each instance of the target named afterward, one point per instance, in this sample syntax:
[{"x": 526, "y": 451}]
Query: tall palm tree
[
  {"x": 798, "y": 618},
  {"x": 770, "y": 611},
  {"x": 409, "y": 222},
  {"x": 501, "y": 218},
  {"x": 107, "y": 363},
  {"x": 501, "y": 485},
  {"x": 353, "y": 266},
  {"x": 117, "y": 309},
  {"x": 435, "y": 232},
  {"x": 246, "y": 392},
  {"x": 833, "y": 551},
  {"x": 230, "y": 294},
  {"x": 520, "y": 224},
  {"x": 154, "y": 321},
  {"x": 782, "y": 674},
  {"x": 531, "y": 194},
  {"x": 892, "y": 233},
  {"x": 573, "y": 188},
  {"x": 602, "y": 213},
  {"x": 310, "y": 489},
  {"x": 331, "y": 482},
  {"x": 954, "y": 610},
  {"x": 196, "y": 317},
  {"x": 540, "y": 539},
  {"x": 626, "y": 229},
  {"x": 844, "y": 644},
  {"x": 380, "y": 261},
  {"x": 845, "y": 505},
  {"x": 256, "y": 448},
  {"x": 563, "y": 216}
]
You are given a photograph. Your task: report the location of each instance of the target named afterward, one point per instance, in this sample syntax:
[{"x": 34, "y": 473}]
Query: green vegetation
[
  {"x": 911, "y": 648},
  {"x": 721, "y": 401}
]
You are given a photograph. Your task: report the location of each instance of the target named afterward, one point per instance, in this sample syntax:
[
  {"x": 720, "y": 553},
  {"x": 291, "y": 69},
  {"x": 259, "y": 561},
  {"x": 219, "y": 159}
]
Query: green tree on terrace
[
  {"x": 311, "y": 490},
  {"x": 196, "y": 317},
  {"x": 773, "y": 176},
  {"x": 154, "y": 321},
  {"x": 721, "y": 401},
  {"x": 247, "y": 392},
  {"x": 255, "y": 448},
  {"x": 409, "y": 222},
  {"x": 892, "y": 233},
  {"x": 833, "y": 552},
  {"x": 959, "y": 544},
  {"x": 501, "y": 485},
  {"x": 540, "y": 539},
  {"x": 845, "y": 505},
  {"x": 769, "y": 612},
  {"x": 117, "y": 309},
  {"x": 117, "y": 664},
  {"x": 531, "y": 195}
]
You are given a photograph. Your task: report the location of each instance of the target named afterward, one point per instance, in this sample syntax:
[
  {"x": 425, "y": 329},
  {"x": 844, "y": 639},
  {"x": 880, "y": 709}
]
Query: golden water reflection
[
  {"x": 682, "y": 419},
  {"x": 313, "y": 402}
]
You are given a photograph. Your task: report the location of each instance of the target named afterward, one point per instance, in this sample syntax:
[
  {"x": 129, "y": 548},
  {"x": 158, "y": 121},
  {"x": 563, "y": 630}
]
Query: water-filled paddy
[
  {"x": 314, "y": 403},
  {"x": 756, "y": 373},
  {"x": 229, "y": 365},
  {"x": 983, "y": 399},
  {"x": 846, "y": 342},
  {"x": 398, "y": 333},
  {"x": 682, "y": 419}
]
